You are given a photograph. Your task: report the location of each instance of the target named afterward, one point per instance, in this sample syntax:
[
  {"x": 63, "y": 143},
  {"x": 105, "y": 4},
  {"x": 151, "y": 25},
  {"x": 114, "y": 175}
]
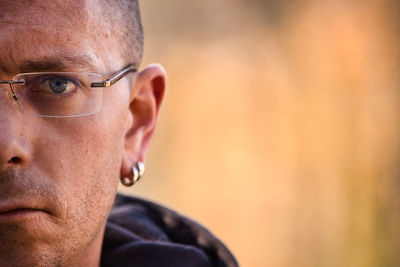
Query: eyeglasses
[{"x": 62, "y": 94}]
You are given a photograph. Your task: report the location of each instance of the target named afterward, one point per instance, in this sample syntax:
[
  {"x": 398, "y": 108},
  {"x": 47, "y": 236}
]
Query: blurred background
[{"x": 280, "y": 129}]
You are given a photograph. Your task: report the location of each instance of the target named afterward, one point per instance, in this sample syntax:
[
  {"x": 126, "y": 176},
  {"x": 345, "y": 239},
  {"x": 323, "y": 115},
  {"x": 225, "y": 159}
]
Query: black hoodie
[{"x": 140, "y": 233}]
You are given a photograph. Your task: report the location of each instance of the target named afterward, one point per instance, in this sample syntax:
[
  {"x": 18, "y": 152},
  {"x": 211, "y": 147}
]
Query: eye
[{"x": 58, "y": 85}]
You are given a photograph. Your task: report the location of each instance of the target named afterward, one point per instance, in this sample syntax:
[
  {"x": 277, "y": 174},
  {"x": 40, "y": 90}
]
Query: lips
[
  {"x": 12, "y": 212},
  {"x": 9, "y": 207}
]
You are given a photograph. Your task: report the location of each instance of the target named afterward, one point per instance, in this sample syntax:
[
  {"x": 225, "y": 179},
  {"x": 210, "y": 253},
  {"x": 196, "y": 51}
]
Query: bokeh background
[{"x": 280, "y": 129}]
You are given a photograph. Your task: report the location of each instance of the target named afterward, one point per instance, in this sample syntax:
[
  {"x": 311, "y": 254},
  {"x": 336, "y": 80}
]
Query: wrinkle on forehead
[
  {"x": 37, "y": 27},
  {"x": 54, "y": 13}
]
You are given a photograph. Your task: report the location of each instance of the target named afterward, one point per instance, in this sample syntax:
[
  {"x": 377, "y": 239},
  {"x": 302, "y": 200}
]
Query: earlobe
[{"x": 148, "y": 91}]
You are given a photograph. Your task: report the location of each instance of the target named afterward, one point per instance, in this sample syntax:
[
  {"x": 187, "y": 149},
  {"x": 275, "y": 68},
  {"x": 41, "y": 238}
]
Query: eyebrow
[{"x": 57, "y": 63}]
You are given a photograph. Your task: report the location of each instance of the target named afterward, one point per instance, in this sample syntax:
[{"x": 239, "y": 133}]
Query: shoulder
[{"x": 149, "y": 234}]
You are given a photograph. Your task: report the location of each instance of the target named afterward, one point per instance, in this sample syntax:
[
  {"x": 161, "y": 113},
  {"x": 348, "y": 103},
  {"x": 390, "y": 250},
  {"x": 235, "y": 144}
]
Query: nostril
[{"x": 15, "y": 160}]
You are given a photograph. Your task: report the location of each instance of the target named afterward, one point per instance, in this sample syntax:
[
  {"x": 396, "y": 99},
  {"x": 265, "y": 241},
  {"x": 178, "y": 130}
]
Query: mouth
[
  {"x": 25, "y": 221},
  {"x": 8, "y": 214}
]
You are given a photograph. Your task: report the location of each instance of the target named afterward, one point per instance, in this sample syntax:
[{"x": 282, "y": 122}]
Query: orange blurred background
[{"x": 280, "y": 129}]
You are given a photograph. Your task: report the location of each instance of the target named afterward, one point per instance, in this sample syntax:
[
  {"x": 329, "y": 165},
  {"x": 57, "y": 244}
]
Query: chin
[
  {"x": 27, "y": 228},
  {"x": 23, "y": 254},
  {"x": 29, "y": 242}
]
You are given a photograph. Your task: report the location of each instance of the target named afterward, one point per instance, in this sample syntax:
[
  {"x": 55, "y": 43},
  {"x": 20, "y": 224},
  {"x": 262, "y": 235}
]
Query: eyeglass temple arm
[
  {"x": 11, "y": 82},
  {"x": 116, "y": 78}
]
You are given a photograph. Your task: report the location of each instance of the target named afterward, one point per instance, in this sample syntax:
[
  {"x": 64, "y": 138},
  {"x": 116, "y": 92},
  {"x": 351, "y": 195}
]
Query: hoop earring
[{"x": 137, "y": 171}]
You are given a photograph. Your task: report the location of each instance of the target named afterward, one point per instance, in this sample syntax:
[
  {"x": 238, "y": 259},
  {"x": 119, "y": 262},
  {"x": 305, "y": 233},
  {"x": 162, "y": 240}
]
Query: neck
[{"x": 91, "y": 256}]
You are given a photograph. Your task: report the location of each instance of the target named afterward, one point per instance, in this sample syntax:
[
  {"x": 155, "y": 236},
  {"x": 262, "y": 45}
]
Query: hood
[{"x": 141, "y": 233}]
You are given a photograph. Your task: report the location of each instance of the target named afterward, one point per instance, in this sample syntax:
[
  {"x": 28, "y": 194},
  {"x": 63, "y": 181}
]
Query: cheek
[
  {"x": 80, "y": 144},
  {"x": 83, "y": 158}
]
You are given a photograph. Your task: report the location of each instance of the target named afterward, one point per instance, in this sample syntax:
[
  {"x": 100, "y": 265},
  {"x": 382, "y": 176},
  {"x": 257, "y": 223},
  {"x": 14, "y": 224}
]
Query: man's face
[{"x": 61, "y": 173}]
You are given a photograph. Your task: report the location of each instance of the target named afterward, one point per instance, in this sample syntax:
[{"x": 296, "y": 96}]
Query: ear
[{"x": 147, "y": 92}]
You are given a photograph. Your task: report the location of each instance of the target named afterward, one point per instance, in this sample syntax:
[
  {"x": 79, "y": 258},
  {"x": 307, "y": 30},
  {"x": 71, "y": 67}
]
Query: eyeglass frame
[
  {"x": 107, "y": 83},
  {"x": 111, "y": 81}
]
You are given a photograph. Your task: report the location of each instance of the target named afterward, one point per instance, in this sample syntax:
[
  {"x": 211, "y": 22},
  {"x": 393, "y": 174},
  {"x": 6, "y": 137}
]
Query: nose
[
  {"x": 14, "y": 145},
  {"x": 13, "y": 151}
]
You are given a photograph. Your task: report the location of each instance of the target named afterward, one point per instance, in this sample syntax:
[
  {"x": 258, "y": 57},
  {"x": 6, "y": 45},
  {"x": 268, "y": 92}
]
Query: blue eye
[
  {"x": 52, "y": 83},
  {"x": 59, "y": 85}
]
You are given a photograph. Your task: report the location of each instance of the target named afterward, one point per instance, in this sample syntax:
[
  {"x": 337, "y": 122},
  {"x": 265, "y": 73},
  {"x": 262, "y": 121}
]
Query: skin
[{"x": 65, "y": 171}]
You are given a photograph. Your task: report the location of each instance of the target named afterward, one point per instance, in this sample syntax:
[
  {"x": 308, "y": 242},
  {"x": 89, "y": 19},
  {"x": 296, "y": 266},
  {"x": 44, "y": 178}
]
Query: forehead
[
  {"x": 44, "y": 12},
  {"x": 40, "y": 29}
]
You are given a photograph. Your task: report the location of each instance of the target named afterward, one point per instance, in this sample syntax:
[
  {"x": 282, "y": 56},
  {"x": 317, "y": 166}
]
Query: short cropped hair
[{"x": 126, "y": 14}]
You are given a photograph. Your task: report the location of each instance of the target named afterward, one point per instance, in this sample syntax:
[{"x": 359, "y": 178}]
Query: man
[{"x": 68, "y": 135}]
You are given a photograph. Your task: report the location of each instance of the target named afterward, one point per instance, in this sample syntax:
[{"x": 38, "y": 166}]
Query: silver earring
[
  {"x": 137, "y": 172},
  {"x": 141, "y": 169}
]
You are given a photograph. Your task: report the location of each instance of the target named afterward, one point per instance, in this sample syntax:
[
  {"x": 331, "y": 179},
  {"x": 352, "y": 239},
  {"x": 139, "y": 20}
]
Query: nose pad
[
  {"x": 13, "y": 96},
  {"x": 9, "y": 99}
]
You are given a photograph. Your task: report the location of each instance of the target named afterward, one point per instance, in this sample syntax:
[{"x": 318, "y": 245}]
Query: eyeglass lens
[{"x": 59, "y": 94}]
